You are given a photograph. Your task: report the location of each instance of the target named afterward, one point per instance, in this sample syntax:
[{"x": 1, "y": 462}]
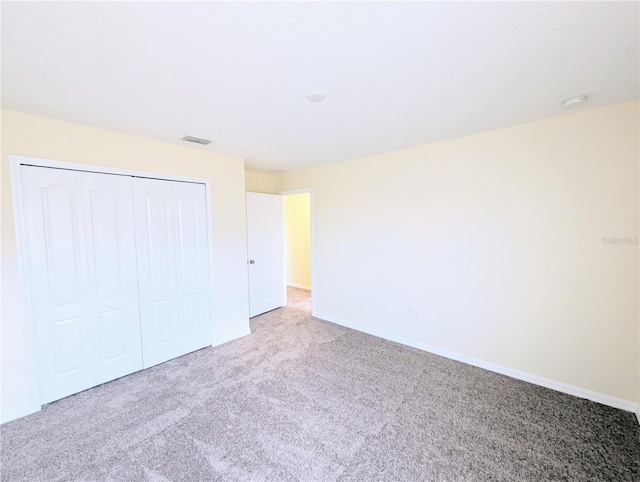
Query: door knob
[{"x": 252, "y": 261}]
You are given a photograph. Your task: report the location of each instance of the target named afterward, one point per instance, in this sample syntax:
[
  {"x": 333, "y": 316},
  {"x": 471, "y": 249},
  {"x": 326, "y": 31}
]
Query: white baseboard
[
  {"x": 638, "y": 413},
  {"x": 602, "y": 398},
  {"x": 220, "y": 338},
  {"x": 298, "y": 285},
  {"x": 15, "y": 414}
]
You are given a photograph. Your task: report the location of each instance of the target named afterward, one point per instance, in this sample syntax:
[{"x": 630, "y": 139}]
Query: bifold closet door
[
  {"x": 82, "y": 276},
  {"x": 173, "y": 268}
]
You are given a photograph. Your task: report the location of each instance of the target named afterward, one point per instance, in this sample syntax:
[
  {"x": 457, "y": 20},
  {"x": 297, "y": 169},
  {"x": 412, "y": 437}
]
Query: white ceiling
[{"x": 395, "y": 74}]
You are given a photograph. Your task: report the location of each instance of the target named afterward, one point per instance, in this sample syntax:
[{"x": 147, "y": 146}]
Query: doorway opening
[{"x": 297, "y": 224}]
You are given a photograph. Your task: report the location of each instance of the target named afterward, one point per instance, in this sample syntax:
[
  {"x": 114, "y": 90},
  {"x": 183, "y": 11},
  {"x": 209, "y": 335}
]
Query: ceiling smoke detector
[
  {"x": 574, "y": 101},
  {"x": 197, "y": 140},
  {"x": 316, "y": 96}
]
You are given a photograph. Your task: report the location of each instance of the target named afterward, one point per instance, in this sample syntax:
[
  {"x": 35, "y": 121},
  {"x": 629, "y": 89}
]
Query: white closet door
[
  {"x": 192, "y": 256},
  {"x": 85, "y": 316},
  {"x": 171, "y": 239},
  {"x": 108, "y": 204}
]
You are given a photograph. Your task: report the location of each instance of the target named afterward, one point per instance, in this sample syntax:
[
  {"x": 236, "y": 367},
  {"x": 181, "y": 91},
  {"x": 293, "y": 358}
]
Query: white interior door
[
  {"x": 267, "y": 289},
  {"x": 173, "y": 268},
  {"x": 81, "y": 263}
]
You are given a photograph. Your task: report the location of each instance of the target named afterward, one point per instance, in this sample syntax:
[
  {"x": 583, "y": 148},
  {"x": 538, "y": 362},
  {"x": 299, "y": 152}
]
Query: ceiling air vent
[{"x": 197, "y": 140}]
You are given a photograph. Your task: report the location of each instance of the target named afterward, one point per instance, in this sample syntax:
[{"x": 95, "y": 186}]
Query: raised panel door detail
[
  {"x": 191, "y": 313},
  {"x": 193, "y": 261},
  {"x": 267, "y": 215},
  {"x": 188, "y": 239},
  {"x": 267, "y": 221},
  {"x": 162, "y": 319},
  {"x": 158, "y": 235},
  {"x": 106, "y": 245},
  {"x": 112, "y": 335},
  {"x": 62, "y": 244},
  {"x": 68, "y": 343},
  {"x": 266, "y": 286}
]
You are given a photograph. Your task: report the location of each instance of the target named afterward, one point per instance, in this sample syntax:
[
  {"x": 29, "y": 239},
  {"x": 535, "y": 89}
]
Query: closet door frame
[{"x": 28, "y": 326}]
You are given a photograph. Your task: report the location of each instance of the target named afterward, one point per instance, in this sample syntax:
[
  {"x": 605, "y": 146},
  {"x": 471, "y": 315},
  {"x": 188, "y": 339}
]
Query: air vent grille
[{"x": 197, "y": 140}]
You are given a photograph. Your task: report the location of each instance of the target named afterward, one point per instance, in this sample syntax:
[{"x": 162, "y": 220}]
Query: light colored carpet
[{"x": 303, "y": 399}]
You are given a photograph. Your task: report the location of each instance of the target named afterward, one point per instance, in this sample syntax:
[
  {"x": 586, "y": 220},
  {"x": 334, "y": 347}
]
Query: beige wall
[
  {"x": 32, "y": 136},
  {"x": 264, "y": 182},
  {"x": 495, "y": 240},
  {"x": 297, "y": 221}
]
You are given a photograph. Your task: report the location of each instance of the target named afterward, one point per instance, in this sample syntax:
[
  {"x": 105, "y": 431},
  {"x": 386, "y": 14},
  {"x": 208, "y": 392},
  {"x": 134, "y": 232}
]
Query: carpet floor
[{"x": 303, "y": 399}]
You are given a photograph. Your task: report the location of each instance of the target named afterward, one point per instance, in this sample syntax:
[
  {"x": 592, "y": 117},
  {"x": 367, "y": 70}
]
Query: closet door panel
[
  {"x": 193, "y": 261},
  {"x": 58, "y": 278},
  {"x": 159, "y": 227},
  {"x": 113, "y": 274},
  {"x": 155, "y": 226},
  {"x": 173, "y": 264},
  {"x": 118, "y": 274}
]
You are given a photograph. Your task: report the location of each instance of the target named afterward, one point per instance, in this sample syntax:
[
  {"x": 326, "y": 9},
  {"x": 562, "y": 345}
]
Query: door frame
[
  {"x": 27, "y": 321},
  {"x": 292, "y": 192}
]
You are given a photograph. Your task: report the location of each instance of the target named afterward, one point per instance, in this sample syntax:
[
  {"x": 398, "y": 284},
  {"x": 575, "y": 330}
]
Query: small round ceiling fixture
[
  {"x": 316, "y": 96},
  {"x": 574, "y": 101}
]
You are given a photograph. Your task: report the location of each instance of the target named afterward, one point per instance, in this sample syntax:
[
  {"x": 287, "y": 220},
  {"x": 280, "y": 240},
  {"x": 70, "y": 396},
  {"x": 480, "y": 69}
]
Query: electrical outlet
[{"x": 412, "y": 313}]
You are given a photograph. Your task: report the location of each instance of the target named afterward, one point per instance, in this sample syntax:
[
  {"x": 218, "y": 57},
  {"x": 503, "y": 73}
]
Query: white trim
[
  {"x": 298, "y": 285},
  {"x": 285, "y": 247},
  {"x": 311, "y": 220},
  {"x": 28, "y": 335},
  {"x": 221, "y": 338},
  {"x": 283, "y": 254},
  {"x": 16, "y": 414},
  {"x": 638, "y": 413},
  {"x": 212, "y": 304},
  {"x": 75, "y": 166},
  {"x": 18, "y": 211},
  {"x": 293, "y": 192},
  {"x": 510, "y": 372}
]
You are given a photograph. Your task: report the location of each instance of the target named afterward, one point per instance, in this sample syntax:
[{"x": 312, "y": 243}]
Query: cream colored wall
[
  {"x": 495, "y": 240},
  {"x": 297, "y": 217},
  {"x": 264, "y": 182},
  {"x": 28, "y": 135}
]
